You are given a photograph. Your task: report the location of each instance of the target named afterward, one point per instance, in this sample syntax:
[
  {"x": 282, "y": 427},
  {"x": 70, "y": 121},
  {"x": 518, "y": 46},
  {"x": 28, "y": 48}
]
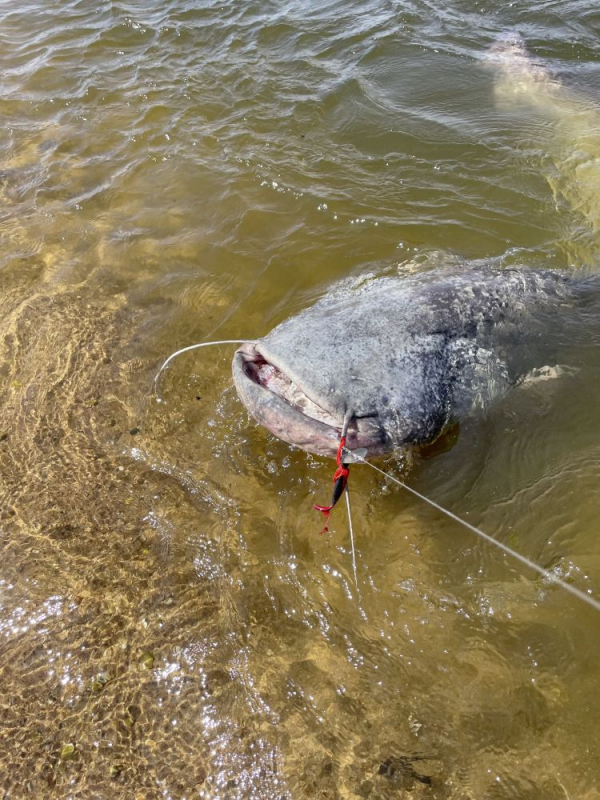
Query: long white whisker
[{"x": 195, "y": 347}]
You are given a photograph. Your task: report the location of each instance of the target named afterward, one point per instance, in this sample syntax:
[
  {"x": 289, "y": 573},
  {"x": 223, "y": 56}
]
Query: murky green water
[{"x": 171, "y": 623}]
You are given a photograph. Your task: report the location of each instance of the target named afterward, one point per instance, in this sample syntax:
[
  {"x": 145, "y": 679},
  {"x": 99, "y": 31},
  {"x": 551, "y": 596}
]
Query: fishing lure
[
  {"x": 340, "y": 482},
  {"x": 345, "y": 457}
]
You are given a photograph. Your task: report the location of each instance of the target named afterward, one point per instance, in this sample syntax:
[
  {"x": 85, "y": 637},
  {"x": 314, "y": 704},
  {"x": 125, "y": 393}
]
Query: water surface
[{"x": 171, "y": 623}]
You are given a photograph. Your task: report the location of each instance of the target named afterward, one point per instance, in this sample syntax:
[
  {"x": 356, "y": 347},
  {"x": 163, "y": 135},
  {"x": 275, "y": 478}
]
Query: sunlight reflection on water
[{"x": 171, "y": 623}]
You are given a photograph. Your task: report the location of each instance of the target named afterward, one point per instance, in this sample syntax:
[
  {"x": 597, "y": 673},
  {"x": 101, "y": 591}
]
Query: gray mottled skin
[{"x": 403, "y": 355}]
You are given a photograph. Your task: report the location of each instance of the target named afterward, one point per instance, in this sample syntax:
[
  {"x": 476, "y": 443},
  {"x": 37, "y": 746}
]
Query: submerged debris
[
  {"x": 401, "y": 770},
  {"x": 99, "y": 682},
  {"x": 147, "y": 660},
  {"x": 67, "y": 751},
  {"x": 116, "y": 770}
]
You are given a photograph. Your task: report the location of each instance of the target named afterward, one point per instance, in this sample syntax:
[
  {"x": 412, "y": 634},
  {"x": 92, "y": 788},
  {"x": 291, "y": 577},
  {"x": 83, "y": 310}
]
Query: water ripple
[{"x": 172, "y": 624}]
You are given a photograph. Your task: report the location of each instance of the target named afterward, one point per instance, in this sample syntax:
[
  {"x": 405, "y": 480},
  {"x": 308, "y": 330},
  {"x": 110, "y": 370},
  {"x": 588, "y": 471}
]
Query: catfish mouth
[{"x": 282, "y": 406}]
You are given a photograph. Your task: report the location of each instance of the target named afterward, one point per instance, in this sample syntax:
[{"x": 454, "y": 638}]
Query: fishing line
[
  {"x": 550, "y": 576},
  {"x": 195, "y": 347},
  {"x": 352, "y": 541}
]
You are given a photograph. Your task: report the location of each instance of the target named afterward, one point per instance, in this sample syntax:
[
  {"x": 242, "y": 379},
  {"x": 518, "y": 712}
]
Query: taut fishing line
[
  {"x": 350, "y": 526},
  {"x": 550, "y": 576},
  {"x": 357, "y": 456}
]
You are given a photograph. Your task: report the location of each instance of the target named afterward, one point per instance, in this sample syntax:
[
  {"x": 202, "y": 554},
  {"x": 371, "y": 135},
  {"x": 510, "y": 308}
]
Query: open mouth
[
  {"x": 281, "y": 406},
  {"x": 274, "y": 380}
]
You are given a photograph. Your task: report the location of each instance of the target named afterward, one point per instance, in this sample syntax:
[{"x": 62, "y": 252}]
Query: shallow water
[{"x": 171, "y": 623}]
